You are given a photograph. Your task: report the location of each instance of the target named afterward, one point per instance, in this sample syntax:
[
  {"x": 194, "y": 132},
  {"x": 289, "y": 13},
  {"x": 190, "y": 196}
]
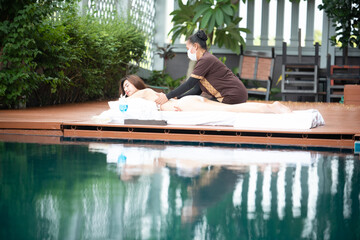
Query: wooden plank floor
[{"x": 341, "y": 130}]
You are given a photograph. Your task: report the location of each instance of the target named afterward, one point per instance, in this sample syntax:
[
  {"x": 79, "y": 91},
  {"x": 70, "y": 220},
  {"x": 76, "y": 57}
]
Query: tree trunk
[{"x": 345, "y": 55}]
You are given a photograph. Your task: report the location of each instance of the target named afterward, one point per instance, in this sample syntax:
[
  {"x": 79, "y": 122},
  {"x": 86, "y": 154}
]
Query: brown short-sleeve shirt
[{"x": 218, "y": 80}]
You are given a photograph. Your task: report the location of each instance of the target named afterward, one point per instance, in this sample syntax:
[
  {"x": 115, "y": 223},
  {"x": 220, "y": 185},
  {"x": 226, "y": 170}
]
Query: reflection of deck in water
[
  {"x": 266, "y": 184},
  {"x": 342, "y": 127},
  {"x": 82, "y": 193}
]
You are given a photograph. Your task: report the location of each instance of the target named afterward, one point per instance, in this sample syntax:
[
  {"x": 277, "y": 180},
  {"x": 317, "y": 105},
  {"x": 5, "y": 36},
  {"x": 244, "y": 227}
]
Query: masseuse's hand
[{"x": 161, "y": 99}]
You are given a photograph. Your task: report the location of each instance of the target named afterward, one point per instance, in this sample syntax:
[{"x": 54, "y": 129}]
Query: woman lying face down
[{"x": 134, "y": 87}]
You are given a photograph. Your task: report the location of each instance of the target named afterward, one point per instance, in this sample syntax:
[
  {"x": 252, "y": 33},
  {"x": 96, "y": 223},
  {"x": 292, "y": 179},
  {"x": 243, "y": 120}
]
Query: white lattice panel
[
  {"x": 103, "y": 9},
  {"x": 142, "y": 13}
]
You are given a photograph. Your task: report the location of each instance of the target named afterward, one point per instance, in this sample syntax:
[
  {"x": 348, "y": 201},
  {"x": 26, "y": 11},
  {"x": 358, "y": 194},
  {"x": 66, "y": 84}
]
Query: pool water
[{"x": 154, "y": 191}]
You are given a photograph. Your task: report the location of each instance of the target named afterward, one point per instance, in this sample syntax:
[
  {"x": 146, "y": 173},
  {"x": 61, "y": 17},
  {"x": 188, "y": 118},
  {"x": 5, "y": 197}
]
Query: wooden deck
[{"x": 54, "y": 123}]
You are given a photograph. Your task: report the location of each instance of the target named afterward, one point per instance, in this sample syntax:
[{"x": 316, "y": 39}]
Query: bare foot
[{"x": 278, "y": 107}]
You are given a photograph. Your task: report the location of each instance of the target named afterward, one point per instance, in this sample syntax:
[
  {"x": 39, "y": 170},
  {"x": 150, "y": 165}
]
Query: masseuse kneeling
[{"x": 210, "y": 75}]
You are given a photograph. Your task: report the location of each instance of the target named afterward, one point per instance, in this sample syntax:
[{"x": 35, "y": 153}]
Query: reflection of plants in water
[{"x": 43, "y": 175}]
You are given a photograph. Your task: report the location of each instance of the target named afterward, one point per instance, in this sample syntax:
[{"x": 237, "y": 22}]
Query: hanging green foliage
[
  {"x": 217, "y": 18},
  {"x": 345, "y": 18}
]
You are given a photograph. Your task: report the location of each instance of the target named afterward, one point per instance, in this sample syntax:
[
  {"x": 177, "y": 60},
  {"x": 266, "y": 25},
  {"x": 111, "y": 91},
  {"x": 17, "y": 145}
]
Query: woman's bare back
[{"x": 198, "y": 103}]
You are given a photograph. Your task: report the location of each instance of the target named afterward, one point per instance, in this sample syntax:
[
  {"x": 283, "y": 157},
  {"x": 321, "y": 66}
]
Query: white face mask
[{"x": 191, "y": 56}]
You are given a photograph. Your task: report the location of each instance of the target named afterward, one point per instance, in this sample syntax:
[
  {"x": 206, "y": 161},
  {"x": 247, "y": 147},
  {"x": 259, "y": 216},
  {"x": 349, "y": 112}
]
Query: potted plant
[
  {"x": 166, "y": 53},
  {"x": 160, "y": 80}
]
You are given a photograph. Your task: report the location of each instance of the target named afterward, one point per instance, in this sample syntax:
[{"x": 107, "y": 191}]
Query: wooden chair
[
  {"x": 256, "y": 70},
  {"x": 338, "y": 76},
  {"x": 300, "y": 78}
]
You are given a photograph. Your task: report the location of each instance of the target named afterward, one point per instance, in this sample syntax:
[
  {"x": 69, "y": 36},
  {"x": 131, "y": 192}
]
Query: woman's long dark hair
[
  {"x": 134, "y": 80},
  {"x": 200, "y": 38}
]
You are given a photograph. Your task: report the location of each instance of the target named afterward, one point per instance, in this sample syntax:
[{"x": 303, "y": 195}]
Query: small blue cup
[{"x": 123, "y": 107}]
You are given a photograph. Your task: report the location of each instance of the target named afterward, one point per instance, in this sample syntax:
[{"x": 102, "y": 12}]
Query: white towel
[{"x": 146, "y": 110}]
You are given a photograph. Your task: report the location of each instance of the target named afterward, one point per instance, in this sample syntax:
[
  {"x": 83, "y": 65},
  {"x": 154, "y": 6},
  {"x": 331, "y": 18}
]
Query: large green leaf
[
  {"x": 227, "y": 9},
  {"x": 199, "y": 11},
  {"x": 206, "y": 18},
  {"x": 227, "y": 19},
  {"x": 211, "y": 25},
  {"x": 219, "y": 16},
  {"x": 202, "y": 6}
]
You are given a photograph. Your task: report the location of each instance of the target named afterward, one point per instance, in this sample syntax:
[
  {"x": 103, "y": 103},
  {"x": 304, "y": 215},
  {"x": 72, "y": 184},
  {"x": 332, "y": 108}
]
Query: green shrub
[
  {"x": 160, "y": 79},
  {"x": 71, "y": 59},
  {"x": 17, "y": 53}
]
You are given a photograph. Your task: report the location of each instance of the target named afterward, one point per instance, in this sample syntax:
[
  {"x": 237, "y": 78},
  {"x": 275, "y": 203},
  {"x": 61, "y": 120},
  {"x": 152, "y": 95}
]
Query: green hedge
[{"x": 46, "y": 60}]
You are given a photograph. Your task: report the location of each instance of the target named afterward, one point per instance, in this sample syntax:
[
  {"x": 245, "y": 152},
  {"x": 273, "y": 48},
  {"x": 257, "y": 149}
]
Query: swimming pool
[{"x": 157, "y": 191}]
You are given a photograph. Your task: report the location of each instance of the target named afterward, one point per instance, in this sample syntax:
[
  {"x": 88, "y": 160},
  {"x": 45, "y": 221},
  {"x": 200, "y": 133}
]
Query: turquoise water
[{"x": 144, "y": 191}]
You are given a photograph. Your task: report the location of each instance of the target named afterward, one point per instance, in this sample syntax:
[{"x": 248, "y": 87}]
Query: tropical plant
[
  {"x": 217, "y": 18},
  {"x": 345, "y": 18}
]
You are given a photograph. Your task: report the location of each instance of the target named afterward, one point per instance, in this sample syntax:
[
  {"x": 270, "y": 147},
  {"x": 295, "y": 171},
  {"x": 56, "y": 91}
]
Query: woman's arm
[
  {"x": 183, "y": 88},
  {"x": 196, "y": 90}
]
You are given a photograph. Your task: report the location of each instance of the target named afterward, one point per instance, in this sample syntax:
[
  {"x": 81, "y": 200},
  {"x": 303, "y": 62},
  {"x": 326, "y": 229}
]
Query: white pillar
[
  {"x": 324, "y": 41},
  {"x": 264, "y": 37},
  {"x": 279, "y": 24},
  {"x": 294, "y": 24},
  {"x": 309, "y": 36},
  {"x": 250, "y": 23},
  {"x": 176, "y": 6},
  {"x": 160, "y": 34}
]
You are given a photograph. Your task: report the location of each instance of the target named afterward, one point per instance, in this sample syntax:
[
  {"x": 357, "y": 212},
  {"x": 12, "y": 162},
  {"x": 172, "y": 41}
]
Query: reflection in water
[
  {"x": 296, "y": 192},
  {"x": 252, "y": 162},
  {"x": 266, "y": 191},
  {"x": 349, "y": 169},
  {"x": 334, "y": 174},
  {"x": 178, "y": 201},
  {"x": 281, "y": 192},
  {"x": 47, "y": 208},
  {"x": 238, "y": 192},
  {"x": 252, "y": 192},
  {"x": 127, "y": 191},
  {"x": 95, "y": 203},
  {"x": 313, "y": 184},
  {"x": 164, "y": 191}
]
